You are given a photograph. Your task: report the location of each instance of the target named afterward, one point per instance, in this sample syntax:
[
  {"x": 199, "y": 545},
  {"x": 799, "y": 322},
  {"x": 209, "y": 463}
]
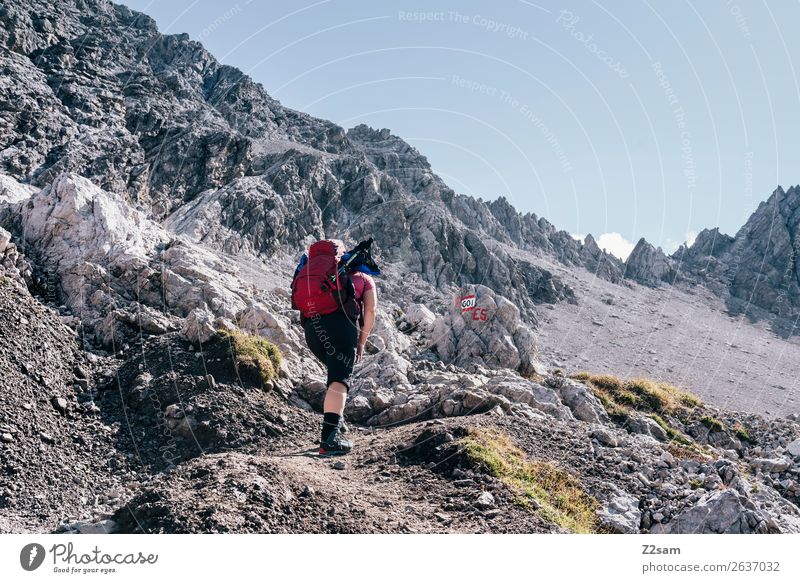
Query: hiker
[{"x": 337, "y": 299}]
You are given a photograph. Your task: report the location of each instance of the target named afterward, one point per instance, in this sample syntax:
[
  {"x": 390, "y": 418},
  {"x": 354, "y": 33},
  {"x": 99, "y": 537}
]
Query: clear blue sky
[{"x": 649, "y": 118}]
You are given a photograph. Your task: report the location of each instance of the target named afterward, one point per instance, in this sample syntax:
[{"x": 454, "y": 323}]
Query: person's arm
[{"x": 370, "y": 302}]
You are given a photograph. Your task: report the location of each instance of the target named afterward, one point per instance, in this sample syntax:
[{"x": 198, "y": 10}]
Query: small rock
[
  {"x": 60, "y": 404},
  {"x": 7, "y": 437},
  {"x": 492, "y": 513},
  {"x": 794, "y": 448},
  {"x": 605, "y": 437},
  {"x": 485, "y": 500},
  {"x": 46, "y": 437},
  {"x": 667, "y": 458},
  {"x": 441, "y": 516},
  {"x": 107, "y": 526},
  {"x": 459, "y": 474},
  {"x": 339, "y": 465}
]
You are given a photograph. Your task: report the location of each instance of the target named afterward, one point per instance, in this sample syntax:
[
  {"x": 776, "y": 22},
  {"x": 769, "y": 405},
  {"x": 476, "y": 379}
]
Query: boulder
[
  {"x": 485, "y": 501},
  {"x": 644, "y": 425},
  {"x": 580, "y": 400},
  {"x": 260, "y": 320},
  {"x": 488, "y": 331},
  {"x": 198, "y": 327},
  {"x": 312, "y": 389},
  {"x": 721, "y": 511},
  {"x": 5, "y": 239},
  {"x": 771, "y": 465},
  {"x": 794, "y": 448},
  {"x": 621, "y": 514},
  {"x": 419, "y": 317},
  {"x": 519, "y": 390},
  {"x": 604, "y": 436}
]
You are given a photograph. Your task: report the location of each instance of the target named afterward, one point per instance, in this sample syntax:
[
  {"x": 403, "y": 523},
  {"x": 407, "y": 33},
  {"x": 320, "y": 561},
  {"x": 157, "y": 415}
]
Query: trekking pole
[{"x": 360, "y": 248}]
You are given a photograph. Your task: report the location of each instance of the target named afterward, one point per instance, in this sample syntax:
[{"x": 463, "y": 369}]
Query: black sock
[{"x": 330, "y": 421}]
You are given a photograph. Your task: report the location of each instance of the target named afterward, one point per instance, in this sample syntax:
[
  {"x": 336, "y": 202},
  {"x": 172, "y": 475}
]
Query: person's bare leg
[
  {"x": 332, "y": 442},
  {"x": 335, "y": 398}
]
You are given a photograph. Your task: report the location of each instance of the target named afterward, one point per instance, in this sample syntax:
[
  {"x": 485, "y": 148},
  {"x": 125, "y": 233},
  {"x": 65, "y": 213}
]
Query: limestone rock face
[
  {"x": 13, "y": 264},
  {"x": 649, "y": 265},
  {"x": 757, "y": 270},
  {"x": 100, "y": 246},
  {"x": 601, "y": 263},
  {"x": 151, "y": 196},
  {"x": 122, "y": 273},
  {"x": 489, "y": 332},
  {"x": 248, "y": 215},
  {"x": 763, "y": 259},
  {"x": 158, "y": 121}
]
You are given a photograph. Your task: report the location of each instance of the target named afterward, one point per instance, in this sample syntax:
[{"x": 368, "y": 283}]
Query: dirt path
[
  {"x": 377, "y": 487},
  {"x": 356, "y": 490}
]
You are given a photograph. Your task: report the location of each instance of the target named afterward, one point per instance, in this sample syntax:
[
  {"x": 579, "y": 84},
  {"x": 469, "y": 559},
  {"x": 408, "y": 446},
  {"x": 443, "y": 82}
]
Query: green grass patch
[
  {"x": 742, "y": 433},
  {"x": 655, "y": 399},
  {"x": 254, "y": 353},
  {"x": 695, "y": 483},
  {"x": 672, "y": 433},
  {"x": 712, "y": 423},
  {"x": 640, "y": 394},
  {"x": 559, "y": 494}
]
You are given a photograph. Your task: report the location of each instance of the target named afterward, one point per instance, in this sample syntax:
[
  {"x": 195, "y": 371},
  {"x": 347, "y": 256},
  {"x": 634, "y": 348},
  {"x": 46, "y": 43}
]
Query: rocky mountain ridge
[
  {"x": 158, "y": 119},
  {"x": 152, "y": 206}
]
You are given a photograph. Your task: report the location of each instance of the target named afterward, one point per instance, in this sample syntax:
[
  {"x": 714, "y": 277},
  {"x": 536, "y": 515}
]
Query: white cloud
[
  {"x": 577, "y": 237},
  {"x": 615, "y": 244}
]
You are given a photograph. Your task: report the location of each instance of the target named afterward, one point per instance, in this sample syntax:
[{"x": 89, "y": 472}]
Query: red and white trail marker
[{"x": 467, "y": 303}]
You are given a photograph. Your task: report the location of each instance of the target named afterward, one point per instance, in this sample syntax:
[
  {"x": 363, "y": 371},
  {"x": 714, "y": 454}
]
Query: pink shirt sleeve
[
  {"x": 363, "y": 283},
  {"x": 369, "y": 283}
]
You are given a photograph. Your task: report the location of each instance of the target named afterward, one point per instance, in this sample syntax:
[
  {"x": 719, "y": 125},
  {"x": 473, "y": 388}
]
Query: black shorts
[{"x": 333, "y": 339}]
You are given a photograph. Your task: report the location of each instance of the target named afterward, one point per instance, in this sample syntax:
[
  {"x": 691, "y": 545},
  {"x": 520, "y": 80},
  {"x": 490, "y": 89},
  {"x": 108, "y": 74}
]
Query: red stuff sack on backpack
[{"x": 316, "y": 289}]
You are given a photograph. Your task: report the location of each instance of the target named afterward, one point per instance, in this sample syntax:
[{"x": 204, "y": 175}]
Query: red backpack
[{"x": 317, "y": 289}]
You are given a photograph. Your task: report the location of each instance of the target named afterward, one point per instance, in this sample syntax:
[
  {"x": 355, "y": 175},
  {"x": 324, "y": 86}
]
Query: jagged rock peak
[{"x": 649, "y": 265}]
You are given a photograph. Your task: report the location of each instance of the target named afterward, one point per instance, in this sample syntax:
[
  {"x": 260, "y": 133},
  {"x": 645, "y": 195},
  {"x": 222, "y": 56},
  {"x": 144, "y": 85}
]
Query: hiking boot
[
  {"x": 343, "y": 428},
  {"x": 336, "y": 444}
]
